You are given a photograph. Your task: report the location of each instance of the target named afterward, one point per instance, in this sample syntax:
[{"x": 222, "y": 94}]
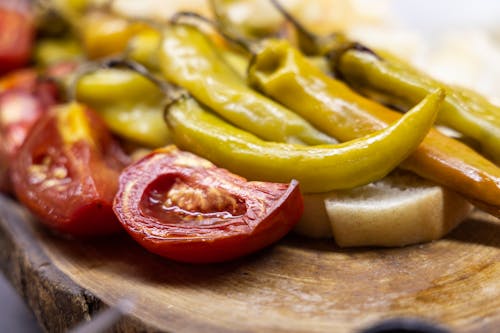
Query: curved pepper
[
  {"x": 283, "y": 73},
  {"x": 318, "y": 168},
  {"x": 144, "y": 46},
  {"x": 400, "y": 84},
  {"x": 190, "y": 60},
  {"x": 104, "y": 34},
  {"x": 131, "y": 106},
  {"x": 391, "y": 80}
]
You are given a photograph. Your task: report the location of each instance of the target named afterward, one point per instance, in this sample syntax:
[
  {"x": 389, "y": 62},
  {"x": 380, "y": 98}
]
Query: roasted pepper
[
  {"x": 189, "y": 59},
  {"x": 318, "y": 168},
  {"x": 143, "y": 48},
  {"x": 237, "y": 17},
  {"x": 390, "y": 80},
  {"x": 400, "y": 84},
  {"x": 131, "y": 106},
  {"x": 285, "y": 74},
  {"x": 52, "y": 51}
]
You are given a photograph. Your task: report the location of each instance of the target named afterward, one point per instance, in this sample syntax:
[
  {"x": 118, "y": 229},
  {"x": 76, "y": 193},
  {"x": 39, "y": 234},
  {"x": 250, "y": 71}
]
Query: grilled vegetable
[
  {"x": 183, "y": 207},
  {"x": 283, "y": 73},
  {"x": 317, "y": 168},
  {"x": 190, "y": 60}
]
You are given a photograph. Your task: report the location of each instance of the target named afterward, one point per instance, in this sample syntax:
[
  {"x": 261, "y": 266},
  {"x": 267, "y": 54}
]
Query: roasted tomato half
[
  {"x": 23, "y": 99},
  {"x": 183, "y": 207},
  {"x": 19, "y": 110},
  {"x": 16, "y": 34},
  {"x": 24, "y": 79},
  {"x": 67, "y": 170}
]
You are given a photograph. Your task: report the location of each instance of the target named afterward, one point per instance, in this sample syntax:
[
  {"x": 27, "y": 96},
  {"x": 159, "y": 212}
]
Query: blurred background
[{"x": 457, "y": 41}]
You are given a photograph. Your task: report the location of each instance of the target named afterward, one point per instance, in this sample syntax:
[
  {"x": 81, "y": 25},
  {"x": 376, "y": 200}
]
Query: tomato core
[{"x": 176, "y": 199}]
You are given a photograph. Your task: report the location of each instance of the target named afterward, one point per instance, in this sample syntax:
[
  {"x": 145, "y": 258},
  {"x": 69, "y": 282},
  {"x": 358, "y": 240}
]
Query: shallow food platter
[{"x": 298, "y": 285}]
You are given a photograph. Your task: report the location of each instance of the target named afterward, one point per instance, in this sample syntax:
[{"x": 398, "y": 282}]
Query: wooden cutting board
[{"x": 298, "y": 285}]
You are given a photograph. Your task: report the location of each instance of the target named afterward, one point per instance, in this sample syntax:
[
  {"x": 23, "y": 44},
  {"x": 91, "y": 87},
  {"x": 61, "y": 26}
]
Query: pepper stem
[
  {"x": 332, "y": 46},
  {"x": 314, "y": 44},
  {"x": 231, "y": 37},
  {"x": 170, "y": 91},
  {"x": 309, "y": 42},
  {"x": 333, "y": 56},
  {"x": 301, "y": 29}
]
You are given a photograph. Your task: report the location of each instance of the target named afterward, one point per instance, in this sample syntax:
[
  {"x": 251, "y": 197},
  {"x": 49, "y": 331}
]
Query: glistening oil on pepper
[
  {"x": 283, "y": 73},
  {"x": 190, "y": 60},
  {"x": 390, "y": 80},
  {"x": 399, "y": 84},
  {"x": 131, "y": 106}
]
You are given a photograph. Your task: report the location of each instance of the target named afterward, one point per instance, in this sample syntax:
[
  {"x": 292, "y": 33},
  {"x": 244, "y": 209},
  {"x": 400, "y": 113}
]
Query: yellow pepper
[
  {"x": 285, "y": 74},
  {"x": 130, "y": 104},
  {"x": 399, "y": 84},
  {"x": 189, "y": 59},
  {"x": 319, "y": 168},
  {"x": 105, "y": 35}
]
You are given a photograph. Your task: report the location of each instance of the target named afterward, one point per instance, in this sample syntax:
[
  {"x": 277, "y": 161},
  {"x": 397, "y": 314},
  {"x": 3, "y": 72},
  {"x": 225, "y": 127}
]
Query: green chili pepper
[
  {"x": 143, "y": 48},
  {"x": 400, "y": 84},
  {"x": 51, "y": 51},
  {"x": 130, "y": 104},
  {"x": 238, "y": 61},
  {"x": 285, "y": 74},
  {"x": 318, "y": 168},
  {"x": 395, "y": 82},
  {"x": 189, "y": 59}
]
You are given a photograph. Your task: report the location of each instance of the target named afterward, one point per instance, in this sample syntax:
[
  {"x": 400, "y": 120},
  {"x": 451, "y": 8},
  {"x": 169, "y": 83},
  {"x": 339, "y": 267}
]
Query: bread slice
[{"x": 399, "y": 210}]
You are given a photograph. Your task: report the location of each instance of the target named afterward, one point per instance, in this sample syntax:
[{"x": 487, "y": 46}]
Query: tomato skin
[
  {"x": 22, "y": 103},
  {"x": 17, "y": 32},
  {"x": 182, "y": 207},
  {"x": 70, "y": 185},
  {"x": 25, "y": 95},
  {"x": 19, "y": 110}
]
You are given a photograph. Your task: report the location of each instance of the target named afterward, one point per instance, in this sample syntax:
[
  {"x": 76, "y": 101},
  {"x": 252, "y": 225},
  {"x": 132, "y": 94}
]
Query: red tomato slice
[
  {"x": 183, "y": 207},
  {"x": 16, "y": 35},
  {"x": 23, "y": 99},
  {"x": 67, "y": 170}
]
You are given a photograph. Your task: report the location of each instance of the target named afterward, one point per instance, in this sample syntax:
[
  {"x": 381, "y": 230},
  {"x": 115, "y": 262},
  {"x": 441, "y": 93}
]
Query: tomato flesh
[
  {"x": 183, "y": 207},
  {"x": 177, "y": 199},
  {"x": 24, "y": 97},
  {"x": 70, "y": 185},
  {"x": 19, "y": 110}
]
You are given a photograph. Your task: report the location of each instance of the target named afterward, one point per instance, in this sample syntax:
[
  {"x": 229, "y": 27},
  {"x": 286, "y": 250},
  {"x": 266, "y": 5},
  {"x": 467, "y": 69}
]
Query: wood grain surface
[{"x": 298, "y": 285}]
